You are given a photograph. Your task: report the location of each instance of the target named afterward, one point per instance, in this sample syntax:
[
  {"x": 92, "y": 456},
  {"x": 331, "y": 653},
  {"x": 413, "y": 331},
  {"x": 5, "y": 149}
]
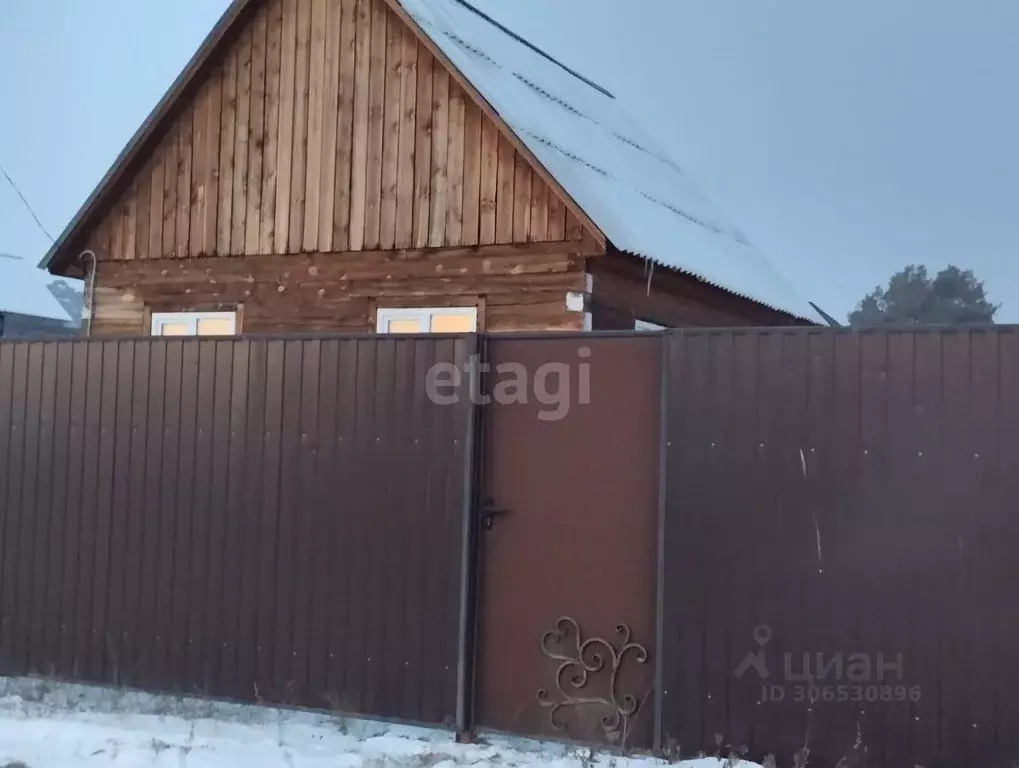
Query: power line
[{"x": 27, "y": 206}]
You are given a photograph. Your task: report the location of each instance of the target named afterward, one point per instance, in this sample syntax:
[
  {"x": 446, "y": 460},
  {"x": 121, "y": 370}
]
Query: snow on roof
[
  {"x": 643, "y": 202},
  {"x": 24, "y": 290}
]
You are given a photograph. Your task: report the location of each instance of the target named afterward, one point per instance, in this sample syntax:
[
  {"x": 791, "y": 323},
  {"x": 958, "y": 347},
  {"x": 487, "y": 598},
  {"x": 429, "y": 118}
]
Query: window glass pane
[
  {"x": 447, "y": 323},
  {"x": 216, "y": 326},
  {"x": 404, "y": 326},
  {"x": 174, "y": 329}
]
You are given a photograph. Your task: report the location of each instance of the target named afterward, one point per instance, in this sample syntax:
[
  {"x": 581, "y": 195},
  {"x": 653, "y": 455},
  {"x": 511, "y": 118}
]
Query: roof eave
[
  {"x": 52, "y": 261},
  {"x": 716, "y": 286}
]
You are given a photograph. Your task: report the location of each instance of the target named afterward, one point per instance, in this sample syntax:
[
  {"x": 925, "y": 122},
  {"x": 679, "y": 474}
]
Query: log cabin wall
[
  {"x": 625, "y": 288},
  {"x": 514, "y": 288},
  {"x": 327, "y": 161}
]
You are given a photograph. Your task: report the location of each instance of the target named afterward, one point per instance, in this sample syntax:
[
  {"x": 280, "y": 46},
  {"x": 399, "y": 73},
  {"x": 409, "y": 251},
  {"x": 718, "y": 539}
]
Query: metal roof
[{"x": 634, "y": 192}]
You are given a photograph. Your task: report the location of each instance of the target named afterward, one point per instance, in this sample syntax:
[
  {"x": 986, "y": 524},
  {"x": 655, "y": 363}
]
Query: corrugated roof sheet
[
  {"x": 640, "y": 198},
  {"x": 24, "y": 289}
]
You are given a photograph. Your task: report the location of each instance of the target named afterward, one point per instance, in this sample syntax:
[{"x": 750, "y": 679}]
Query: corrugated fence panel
[
  {"x": 840, "y": 546},
  {"x": 265, "y": 520}
]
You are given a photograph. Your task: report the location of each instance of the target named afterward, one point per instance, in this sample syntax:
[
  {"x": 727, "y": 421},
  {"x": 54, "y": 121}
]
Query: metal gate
[{"x": 568, "y": 538}]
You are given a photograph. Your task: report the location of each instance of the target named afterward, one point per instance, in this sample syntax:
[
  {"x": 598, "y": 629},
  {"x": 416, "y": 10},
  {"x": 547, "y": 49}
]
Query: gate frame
[{"x": 477, "y": 351}]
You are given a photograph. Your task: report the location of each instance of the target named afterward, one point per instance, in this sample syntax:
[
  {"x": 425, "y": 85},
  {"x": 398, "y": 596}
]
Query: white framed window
[
  {"x": 645, "y": 325},
  {"x": 427, "y": 320},
  {"x": 194, "y": 323}
]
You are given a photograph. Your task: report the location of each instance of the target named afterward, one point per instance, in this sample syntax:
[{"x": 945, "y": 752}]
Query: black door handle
[{"x": 489, "y": 512}]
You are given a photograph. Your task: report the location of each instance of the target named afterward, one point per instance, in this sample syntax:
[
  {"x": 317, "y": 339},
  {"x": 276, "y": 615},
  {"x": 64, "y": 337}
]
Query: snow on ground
[{"x": 43, "y": 725}]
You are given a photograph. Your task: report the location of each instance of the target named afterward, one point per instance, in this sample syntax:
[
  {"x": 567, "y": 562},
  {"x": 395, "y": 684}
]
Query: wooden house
[{"x": 400, "y": 165}]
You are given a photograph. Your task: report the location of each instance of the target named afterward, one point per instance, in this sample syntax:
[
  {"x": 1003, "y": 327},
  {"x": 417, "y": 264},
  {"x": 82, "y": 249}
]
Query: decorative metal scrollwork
[{"x": 582, "y": 660}]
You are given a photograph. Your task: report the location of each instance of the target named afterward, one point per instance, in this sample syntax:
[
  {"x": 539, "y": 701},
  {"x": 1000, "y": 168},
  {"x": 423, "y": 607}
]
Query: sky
[{"x": 846, "y": 140}]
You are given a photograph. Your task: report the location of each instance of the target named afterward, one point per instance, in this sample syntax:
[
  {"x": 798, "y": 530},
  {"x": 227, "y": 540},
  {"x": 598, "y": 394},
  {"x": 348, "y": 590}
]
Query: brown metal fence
[
  {"x": 293, "y": 521},
  {"x": 843, "y": 505},
  {"x": 268, "y": 520}
]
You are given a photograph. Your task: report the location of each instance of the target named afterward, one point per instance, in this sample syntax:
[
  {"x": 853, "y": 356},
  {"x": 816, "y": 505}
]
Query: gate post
[
  {"x": 473, "y": 447},
  {"x": 663, "y": 464}
]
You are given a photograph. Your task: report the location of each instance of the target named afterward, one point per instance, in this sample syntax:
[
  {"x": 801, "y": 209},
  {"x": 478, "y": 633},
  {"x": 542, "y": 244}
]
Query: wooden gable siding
[{"x": 327, "y": 126}]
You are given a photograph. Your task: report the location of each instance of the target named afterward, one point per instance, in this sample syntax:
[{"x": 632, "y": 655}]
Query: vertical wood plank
[
  {"x": 344, "y": 127},
  {"x": 471, "y": 173},
  {"x": 489, "y": 181},
  {"x": 101, "y": 240},
  {"x": 391, "y": 132},
  {"x": 227, "y": 133},
  {"x": 405, "y": 164},
  {"x": 299, "y": 167},
  {"x": 376, "y": 115},
  {"x": 196, "y": 193},
  {"x": 574, "y": 229},
  {"x": 285, "y": 149},
  {"x": 205, "y": 175},
  {"x": 440, "y": 156},
  {"x": 423, "y": 148},
  {"x": 170, "y": 196},
  {"x": 256, "y": 132},
  {"x": 270, "y": 153},
  {"x": 330, "y": 117},
  {"x": 155, "y": 249},
  {"x": 521, "y": 200},
  {"x": 504, "y": 201},
  {"x": 184, "y": 163},
  {"x": 131, "y": 223},
  {"x": 210, "y": 184},
  {"x": 115, "y": 225},
  {"x": 316, "y": 124},
  {"x": 359, "y": 156},
  {"x": 455, "y": 165},
  {"x": 538, "y": 231},
  {"x": 241, "y": 135},
  {"x": 556, "y": 218},
  {"x": 143, "y": 212}
]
